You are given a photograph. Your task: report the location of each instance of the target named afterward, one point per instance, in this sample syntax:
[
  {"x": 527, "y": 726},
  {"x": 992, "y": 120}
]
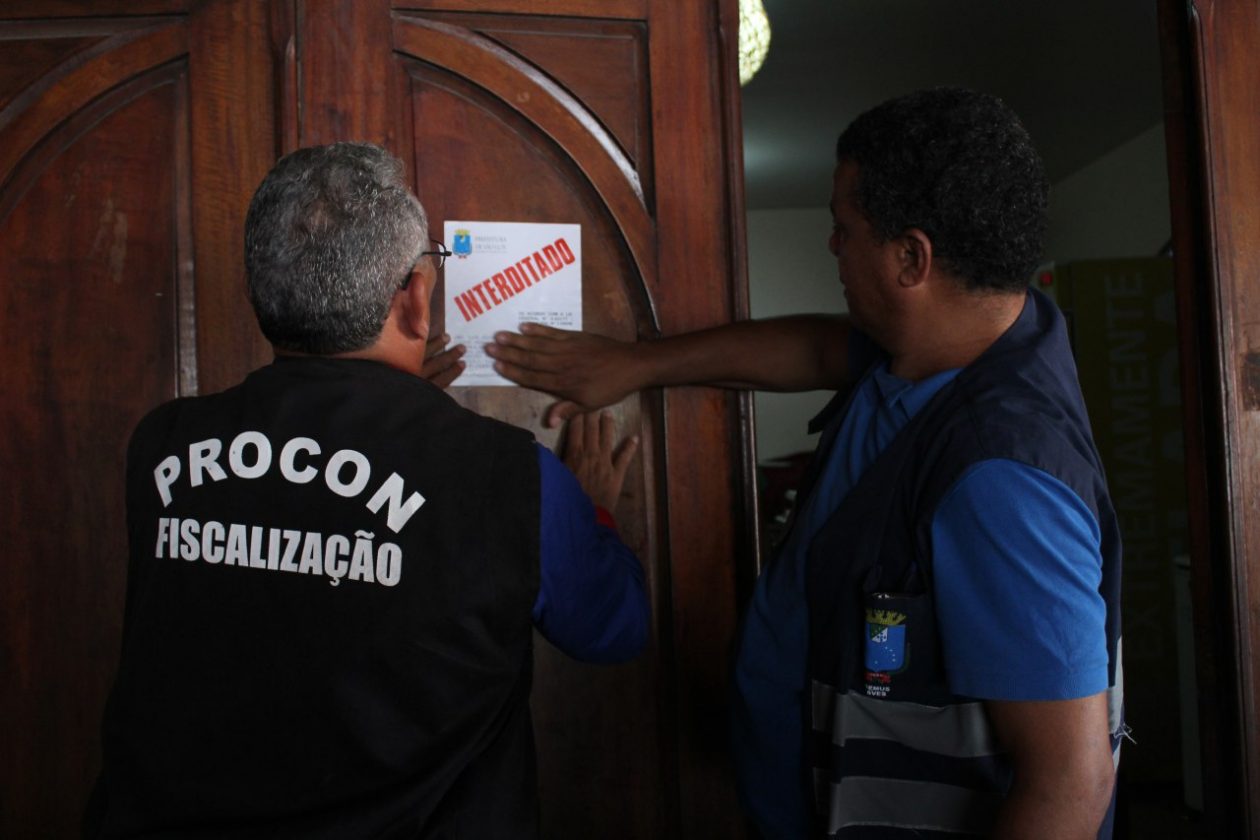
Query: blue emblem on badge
[
  {"x": 462, "y": 246},
  {"x": 885, "y": 640}
]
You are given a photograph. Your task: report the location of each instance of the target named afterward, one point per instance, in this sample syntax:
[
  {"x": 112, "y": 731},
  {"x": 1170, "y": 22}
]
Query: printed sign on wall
[{"x": 502, "y": 273}]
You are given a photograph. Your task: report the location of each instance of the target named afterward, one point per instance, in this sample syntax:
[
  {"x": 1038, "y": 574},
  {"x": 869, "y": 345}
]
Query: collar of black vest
[{"x": 1032, "y": 320}]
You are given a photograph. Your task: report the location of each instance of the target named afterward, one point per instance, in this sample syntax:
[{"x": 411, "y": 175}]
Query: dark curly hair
[{"x": 959, "y": 166}]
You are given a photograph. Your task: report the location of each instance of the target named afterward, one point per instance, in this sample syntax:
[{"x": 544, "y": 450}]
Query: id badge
[{"x": 895, "y": 627}]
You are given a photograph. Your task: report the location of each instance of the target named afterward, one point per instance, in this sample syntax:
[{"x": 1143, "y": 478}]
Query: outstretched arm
[{"x": 797, "y": 353}]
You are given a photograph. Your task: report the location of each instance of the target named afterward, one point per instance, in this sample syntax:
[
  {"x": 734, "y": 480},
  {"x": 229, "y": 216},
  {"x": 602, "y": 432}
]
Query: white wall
[
  {"x": 1116, "y": 206},
  {"x": 790, "y": 271}
]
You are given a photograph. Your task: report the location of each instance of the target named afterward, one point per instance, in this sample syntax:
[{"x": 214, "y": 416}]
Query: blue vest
[{"x": 890, "y": 748}]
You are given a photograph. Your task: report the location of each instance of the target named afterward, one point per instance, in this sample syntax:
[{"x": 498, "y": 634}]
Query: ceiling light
[{"x": 754, "y": 38}]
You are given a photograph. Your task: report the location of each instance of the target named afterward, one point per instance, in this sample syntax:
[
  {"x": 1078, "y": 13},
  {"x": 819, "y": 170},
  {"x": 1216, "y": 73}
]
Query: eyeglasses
[
  {"x": 439, "y": 260},
  {"x": 439, "y": 255}
]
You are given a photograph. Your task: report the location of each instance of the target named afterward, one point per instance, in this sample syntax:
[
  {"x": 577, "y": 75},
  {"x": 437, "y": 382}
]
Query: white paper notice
[{"x": 503, "y": 273}]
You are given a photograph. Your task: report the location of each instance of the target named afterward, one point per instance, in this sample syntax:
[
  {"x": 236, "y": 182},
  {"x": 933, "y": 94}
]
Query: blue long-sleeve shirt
[{"x": 591, "y": 603}]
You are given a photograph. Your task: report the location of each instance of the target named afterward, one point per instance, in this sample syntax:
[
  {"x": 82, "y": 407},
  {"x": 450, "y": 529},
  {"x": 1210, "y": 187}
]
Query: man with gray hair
[{"x": 335, "y": 569}]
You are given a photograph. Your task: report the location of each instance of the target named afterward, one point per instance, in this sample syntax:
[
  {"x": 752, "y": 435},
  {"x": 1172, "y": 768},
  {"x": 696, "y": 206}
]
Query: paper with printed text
[{"x": 502, "y": 273}]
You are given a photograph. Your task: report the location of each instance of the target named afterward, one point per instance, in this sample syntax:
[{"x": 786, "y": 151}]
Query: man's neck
[
  {"x": 395, "y": 348},
  {"x": 954, "y": 333},
  {"x": 395, "y": 353}
]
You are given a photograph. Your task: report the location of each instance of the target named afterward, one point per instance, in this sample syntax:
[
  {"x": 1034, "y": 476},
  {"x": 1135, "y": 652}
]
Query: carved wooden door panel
[
  {"x": 88, "y": 338},
  {"x": 495, "y": 138},
  {"x": 131, "y": 136}
]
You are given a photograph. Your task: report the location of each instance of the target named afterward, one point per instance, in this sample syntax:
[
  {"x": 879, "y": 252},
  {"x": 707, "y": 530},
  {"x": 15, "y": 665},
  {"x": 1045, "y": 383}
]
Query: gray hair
[{"x": 331, "y": 233}]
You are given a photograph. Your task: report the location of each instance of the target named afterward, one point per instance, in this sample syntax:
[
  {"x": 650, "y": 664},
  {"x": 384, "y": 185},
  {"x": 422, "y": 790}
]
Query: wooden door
[
  {"x": 106, "y": 285},
  {"x": 1212, "y": 94},
  {"x": 131, "y": 137}
]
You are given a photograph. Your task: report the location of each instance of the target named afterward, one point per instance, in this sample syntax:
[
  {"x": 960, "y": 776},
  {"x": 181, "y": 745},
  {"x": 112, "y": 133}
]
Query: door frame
[{"x": 1211, "y": 91}]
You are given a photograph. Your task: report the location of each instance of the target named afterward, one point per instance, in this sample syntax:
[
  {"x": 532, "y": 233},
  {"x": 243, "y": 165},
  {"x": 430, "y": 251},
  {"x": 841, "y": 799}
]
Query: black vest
[
  {"x": 328, "y": 623},
  {"x": 886, "y": 744}
]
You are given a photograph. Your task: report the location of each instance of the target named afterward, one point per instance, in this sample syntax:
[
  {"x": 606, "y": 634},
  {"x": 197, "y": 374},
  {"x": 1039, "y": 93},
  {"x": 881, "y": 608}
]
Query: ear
[
  {"x": 914, "y": 254},
  {"x": 412, "y": 303}
]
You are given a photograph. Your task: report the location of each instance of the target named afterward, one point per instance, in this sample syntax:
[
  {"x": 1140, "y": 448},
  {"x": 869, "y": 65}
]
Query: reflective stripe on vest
[
  {"x": 854, "y": 798},
  {"x": 1115, "y": 707},
  {"x": 960, "y": 731},
  {"x": 862, "y": 801}
]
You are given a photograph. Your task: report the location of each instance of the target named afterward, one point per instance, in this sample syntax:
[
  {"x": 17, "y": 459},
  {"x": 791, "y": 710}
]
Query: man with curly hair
[{"x": 935, "y": 651}]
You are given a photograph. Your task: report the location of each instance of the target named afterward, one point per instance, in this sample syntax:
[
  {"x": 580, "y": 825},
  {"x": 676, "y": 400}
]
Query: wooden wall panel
[{"x": 89, "y": 295}]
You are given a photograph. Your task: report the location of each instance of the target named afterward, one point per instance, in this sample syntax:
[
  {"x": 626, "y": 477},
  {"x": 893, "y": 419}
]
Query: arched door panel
[
  {"x": 95, "y": 225},
  {"x": 476, "y": 160}
]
